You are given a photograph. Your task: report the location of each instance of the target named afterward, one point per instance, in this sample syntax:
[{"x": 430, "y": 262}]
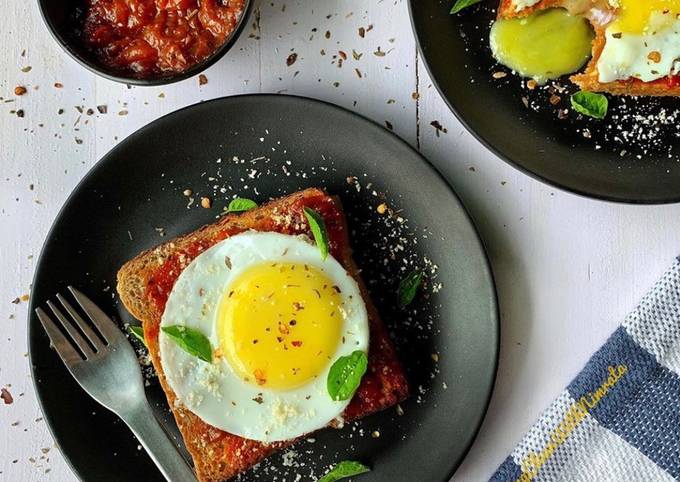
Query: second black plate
[
  {"x": 632, "y": 156},
  {"x": 261, "y": 147}
]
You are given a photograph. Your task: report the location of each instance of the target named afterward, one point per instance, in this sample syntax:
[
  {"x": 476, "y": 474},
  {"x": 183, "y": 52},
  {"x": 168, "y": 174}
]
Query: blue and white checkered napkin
[{"x": 619, "y": 419}]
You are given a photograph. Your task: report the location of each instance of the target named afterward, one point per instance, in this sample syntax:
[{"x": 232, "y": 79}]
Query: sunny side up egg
[
  {"x": 277, "y": 317},
  {"x": 642, "y": 42}
]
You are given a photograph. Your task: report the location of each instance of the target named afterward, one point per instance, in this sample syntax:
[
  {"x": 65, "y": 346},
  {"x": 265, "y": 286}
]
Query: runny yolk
[
  {"x": 645, "y": 16},
  {"x": 545, "y": 45},
  {"x": 279, "y": 324}
]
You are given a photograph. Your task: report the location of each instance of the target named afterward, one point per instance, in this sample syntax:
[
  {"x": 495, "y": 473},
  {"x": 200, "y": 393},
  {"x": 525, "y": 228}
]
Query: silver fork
[{"x": 106, "y": 366}]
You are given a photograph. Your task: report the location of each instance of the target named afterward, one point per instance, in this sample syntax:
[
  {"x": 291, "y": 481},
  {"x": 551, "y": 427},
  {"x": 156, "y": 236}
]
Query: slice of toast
[
  {"x": 145, "y": 282},
  {"x": 588, "y": 80}
]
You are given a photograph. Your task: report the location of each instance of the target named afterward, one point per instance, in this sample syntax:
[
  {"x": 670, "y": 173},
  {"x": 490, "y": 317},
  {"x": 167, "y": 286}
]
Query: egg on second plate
[
  {"x": 277, "y": 317},
  {"x": 642, "y": 42}
]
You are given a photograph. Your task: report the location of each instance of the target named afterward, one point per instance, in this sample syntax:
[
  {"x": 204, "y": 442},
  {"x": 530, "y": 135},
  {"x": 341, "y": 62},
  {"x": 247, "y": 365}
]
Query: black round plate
[
  {"x": 623, "y": 158},
  {"x": 260, "y": 147}
]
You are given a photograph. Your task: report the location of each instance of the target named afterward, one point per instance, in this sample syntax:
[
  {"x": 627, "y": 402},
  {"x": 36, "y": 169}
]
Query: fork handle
[{"x": 157, "y": 443}]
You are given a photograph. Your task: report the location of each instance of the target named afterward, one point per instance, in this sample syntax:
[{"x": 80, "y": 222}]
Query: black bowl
[
  {"x": 585, "y": 156},
  {"x": 59, "y": 16}
]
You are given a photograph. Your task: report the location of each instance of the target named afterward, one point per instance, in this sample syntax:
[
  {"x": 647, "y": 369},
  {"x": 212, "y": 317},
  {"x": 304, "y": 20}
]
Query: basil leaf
[
  {"x": 138, "y": 333},
  {"x": 191, "y": 341},
  {"x": 408, "y": 287},
  {"x": 240, "y": 204},
  {"x": 345, "y": 375},
  {"x": 462, "y": 4},
  {"x": 318, "y": 228},
  {"x": 590, "y": 104},
  {"x": 346, "y": 468}
]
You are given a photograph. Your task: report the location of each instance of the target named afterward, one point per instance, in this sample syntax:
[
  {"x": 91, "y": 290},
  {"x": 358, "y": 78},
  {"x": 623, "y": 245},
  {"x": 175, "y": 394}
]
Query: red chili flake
[
  {"x": 342, "y": 54},
  {"x": 202, "y": 79},
  {"x": 6, "y": 396},
  {"x": 58, "y": 85},
  {"x": 291, "y": 59},
  {"x": 296, "y": 343},
  {"x": 260, "y": 377},
  {"x": 20, "y": 90}
]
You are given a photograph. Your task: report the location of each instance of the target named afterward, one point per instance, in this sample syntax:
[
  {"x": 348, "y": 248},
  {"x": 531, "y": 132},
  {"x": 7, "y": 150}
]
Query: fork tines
[{"x": 88, "y": 343}]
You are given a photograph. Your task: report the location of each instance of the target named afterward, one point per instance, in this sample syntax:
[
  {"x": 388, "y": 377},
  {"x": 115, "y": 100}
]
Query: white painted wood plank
[{"x": 40, "y": 162}]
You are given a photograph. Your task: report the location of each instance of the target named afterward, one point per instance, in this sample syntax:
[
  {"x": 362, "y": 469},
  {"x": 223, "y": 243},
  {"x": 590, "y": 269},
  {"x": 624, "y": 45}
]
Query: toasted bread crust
[
  {"x": 506, "y": 9},
  {"x": 588, "y": 80},
  {"x": 219, "y": 456}
]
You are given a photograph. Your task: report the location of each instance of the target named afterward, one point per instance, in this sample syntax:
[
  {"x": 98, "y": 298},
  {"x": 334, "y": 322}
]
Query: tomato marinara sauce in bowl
[{"x": 145, "y": 42}]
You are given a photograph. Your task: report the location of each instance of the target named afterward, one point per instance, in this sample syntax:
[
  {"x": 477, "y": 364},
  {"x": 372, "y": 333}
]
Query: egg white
[
  {"x": 626, "y": 55},
  {"x": 213, "y": 391}
]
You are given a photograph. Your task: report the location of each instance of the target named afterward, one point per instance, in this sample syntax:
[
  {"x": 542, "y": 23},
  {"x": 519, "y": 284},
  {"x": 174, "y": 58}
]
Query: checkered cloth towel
[{"x": 619, "y": 419}]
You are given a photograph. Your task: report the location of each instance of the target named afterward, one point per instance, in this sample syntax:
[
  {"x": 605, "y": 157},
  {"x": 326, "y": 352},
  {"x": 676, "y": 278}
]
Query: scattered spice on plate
[
  {"x": 291, "y": 59},
  {"x": 202, "y": 79},
  {"x": 20, "y": 90}
]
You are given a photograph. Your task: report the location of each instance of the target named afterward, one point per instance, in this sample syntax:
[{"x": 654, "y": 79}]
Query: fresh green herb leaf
[
  {"x": 345, "y": 375},
  {"x": 590, "y": 104},
  {"x": 408, "y": 287},
  {"x": 318, "y": 228},
  {"x": 191, "y": 341},
  {"x": 344, "y": 469},
  {"x": 462, "y": 4},
  {"x": 138, "y": 333},
  {"x": 240, "y": 204}
]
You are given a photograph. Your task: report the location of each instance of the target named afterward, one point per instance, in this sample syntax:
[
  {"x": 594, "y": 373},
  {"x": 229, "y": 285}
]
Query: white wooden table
[{"x": 568, "y": 269}]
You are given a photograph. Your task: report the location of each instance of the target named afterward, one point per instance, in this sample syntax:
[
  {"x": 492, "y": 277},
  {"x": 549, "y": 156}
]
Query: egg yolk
[
  {"x": 280, "y": 323},
  {"x": 636, "y": 16},
  {"x": 545, "y": 45}
]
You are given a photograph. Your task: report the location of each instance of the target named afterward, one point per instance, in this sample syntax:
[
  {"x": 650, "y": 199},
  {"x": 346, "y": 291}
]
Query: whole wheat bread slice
[{"x": 217, "y": 455}]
